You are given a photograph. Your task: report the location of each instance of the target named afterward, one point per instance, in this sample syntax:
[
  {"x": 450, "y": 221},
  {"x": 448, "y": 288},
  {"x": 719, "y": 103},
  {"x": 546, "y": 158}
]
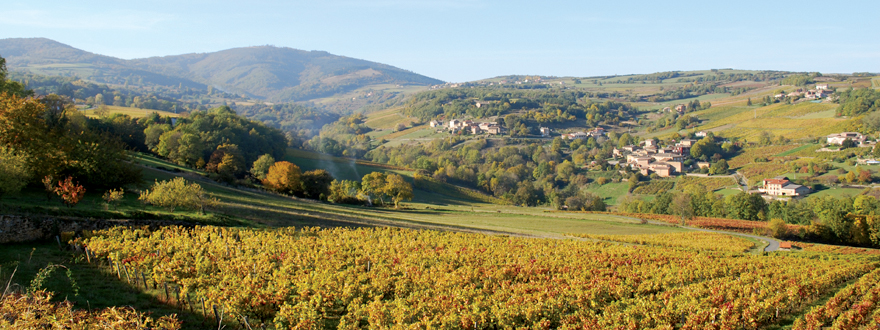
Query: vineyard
[
  {"x": 709, "y": 183},
  {"x": 395, "y": 278},
  {"x": 654, "y": 187},
  {"x": 838, "y": 249},
  {"x": 749, "y": 155},
  {"x": 736, "y": 225},
  {"x": 853, "y": 307},
  {"x": 688, "y": 240}
]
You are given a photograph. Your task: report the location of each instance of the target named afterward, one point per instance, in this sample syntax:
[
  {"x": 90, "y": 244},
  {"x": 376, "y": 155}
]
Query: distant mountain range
[{"x": 266, "y": 72}]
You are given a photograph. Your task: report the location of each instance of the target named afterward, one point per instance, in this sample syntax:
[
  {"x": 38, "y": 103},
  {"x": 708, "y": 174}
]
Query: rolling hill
[{"x": 271, "y": 73}]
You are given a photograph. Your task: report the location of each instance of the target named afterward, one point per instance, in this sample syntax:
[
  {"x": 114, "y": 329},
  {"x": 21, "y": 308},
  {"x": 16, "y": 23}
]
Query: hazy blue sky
[{"x": 456, "y": 40}]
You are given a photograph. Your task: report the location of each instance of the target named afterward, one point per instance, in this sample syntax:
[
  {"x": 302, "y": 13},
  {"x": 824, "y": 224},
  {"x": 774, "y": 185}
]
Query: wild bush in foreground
[
  {"x": 36, "y": 311},
  {"x": 177, "y": 193}
]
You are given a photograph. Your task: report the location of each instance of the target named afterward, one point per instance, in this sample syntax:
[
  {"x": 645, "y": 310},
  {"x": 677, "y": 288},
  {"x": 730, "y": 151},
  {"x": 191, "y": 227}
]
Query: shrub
[
  {"x": 71, "y": 193},
  {"x": 113, "y": 196},
  {"x": 177, "y": 193}
]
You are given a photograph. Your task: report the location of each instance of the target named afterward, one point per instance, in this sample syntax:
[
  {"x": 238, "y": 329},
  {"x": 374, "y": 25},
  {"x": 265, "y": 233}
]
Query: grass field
[
  {"x": 836, "y": 192},
  {"x": 340, "y": 168},
  {"x": 251, "y": 207},
  {"x": 132, "y": 112},
  {"x": 728, "y": 191},
  {"x": 611, "y": 192},
  {"x": 798, "y": 149}
]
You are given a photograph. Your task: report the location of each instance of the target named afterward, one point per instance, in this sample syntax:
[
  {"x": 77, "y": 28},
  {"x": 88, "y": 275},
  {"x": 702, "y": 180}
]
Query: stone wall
[{"x": 19, "y": 228}]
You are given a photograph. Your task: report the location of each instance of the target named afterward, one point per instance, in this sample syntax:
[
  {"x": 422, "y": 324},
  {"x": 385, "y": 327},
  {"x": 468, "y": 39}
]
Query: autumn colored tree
[
  {"x": 373, "y": 185},
  {"x": 865, "y": 177},
  {"x": 284, "y": 177},
  {"x": 59, "y": 143},
  {"x": 71, "y": 193}
]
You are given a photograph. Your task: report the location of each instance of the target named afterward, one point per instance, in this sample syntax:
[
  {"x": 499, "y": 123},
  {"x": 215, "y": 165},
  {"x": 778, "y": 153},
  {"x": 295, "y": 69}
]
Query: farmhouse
[
  {"x": 840, "y": 137},
  {"x": 701, "y": 134},
  {"x": 575, "y": 135},
  {"x": 545, "y": 131},
  {"x": 455, "y": 123},
  {"x": 485, "y": 125},
  {"x": 781, "y": 186},
  {"x": 822, "y": 87},
  {"x": 435, "y": 123}
]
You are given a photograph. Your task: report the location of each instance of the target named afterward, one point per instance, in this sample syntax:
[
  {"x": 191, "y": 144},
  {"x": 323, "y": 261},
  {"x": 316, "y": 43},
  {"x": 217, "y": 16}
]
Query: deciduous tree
[
  {"x": 14, "y": 171},
  {"x": 262, "y": 165},
  {"x": 398, "y": 189},
  {"x": 283, "y": 177},
  {"x": 316, "y": 184}
]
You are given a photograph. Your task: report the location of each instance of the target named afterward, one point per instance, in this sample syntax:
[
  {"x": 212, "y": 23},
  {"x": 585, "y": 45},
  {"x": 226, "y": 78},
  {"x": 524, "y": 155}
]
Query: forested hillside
[{"x": 265, "y": 72}]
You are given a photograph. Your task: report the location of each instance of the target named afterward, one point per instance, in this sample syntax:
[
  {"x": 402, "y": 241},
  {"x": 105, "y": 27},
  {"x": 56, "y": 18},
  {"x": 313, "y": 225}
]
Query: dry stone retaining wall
[{"x": 19, "y": 228}]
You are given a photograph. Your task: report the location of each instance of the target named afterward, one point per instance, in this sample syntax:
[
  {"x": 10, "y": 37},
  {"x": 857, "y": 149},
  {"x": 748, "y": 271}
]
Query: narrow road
[{"x": 772, "y": 243}]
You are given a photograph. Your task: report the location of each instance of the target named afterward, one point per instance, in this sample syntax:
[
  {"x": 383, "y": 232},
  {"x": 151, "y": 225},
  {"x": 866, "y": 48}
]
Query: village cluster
[
  {"x": 470, "y": 126},
  {"x": 822, "y": 91}
]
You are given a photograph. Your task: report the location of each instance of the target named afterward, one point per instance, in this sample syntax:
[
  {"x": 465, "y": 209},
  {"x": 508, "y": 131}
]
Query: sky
[{"x": 466, "y": 40}]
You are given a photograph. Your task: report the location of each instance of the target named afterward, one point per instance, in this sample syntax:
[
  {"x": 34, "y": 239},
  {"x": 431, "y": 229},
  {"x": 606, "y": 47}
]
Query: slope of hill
[
  {"x": 266, "y": 72},
  {"x": 282, "y": 74},
  {"x": 51, "y": 58}
]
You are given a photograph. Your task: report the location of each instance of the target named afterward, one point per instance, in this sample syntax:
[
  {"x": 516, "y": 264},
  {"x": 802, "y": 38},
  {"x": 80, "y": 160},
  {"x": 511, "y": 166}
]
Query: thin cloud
[{"x": 119, "y": 20}]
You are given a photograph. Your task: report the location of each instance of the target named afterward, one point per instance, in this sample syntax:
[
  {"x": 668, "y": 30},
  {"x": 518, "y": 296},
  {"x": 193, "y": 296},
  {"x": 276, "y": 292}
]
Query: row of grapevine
[
  {"x": 838, "y": 249},
  {"x": 387, "y": 278},
  {"x": 690, "y": 240},
  {"x": 851, "y": 308},
  {"x": 742, "y": 226}
]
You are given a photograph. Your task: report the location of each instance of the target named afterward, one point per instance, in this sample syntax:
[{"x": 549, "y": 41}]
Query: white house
[
  {"x": 545, "y": 131},
  {"x": 780, "y": 186},
  {"x": 840, "y": 137},
  {"x": 455, "y": 123},
  {"x": 575, "y": 135}
]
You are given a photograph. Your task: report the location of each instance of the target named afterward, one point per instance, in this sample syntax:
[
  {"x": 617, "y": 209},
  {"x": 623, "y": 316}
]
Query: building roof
[
  {"x": 775, "y": 181},
  {"x": 792, "y": 186}
]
